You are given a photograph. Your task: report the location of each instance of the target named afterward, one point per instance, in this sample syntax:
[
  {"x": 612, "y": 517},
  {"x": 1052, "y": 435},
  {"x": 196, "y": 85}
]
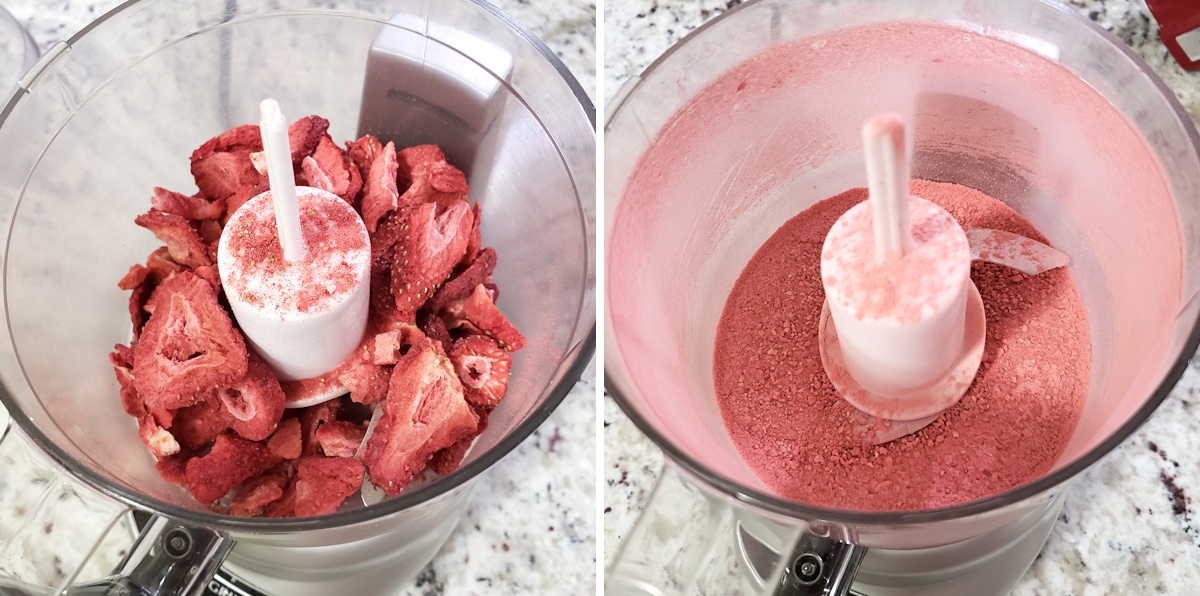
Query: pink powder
[{"x": 788, "y": 424}]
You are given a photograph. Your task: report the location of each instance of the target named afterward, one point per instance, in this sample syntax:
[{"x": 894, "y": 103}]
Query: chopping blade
[{"x": 1014, "y": 251}]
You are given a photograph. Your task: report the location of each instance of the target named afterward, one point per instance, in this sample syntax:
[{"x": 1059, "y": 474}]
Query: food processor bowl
[
  {"x": 116, "y": 110},
  {"x": 756, "y": 116},
  {"x": 17, "y": 52}
]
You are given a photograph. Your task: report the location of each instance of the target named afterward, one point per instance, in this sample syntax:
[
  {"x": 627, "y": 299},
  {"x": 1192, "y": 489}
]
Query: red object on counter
[{"x": 1180, "y": 23}]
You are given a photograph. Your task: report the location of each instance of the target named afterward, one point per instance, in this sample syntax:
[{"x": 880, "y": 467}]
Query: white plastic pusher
[{"x": 896, "y": 272}]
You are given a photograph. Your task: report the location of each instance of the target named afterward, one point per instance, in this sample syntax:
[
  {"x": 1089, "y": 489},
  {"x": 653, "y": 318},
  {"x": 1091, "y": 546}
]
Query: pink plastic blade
[{"x": 1011, "y": 250}]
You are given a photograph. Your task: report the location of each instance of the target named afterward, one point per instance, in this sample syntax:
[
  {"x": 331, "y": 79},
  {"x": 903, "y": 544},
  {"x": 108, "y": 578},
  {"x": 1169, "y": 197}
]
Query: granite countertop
[
  {"x": 1129, "y": 525},
  {"x": 531, "y": 526}
]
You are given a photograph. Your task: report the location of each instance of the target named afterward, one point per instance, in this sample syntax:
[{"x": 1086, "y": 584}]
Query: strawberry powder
[{"x": 794, "y": 432}]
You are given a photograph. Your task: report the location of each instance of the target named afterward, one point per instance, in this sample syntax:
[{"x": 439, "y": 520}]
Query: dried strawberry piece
[
  {"x": 188, "y": 347},
  {"x": 231, "y": 461},
  {"x": 475, "y": 243},
  {"x": 447, "y": 460},
  {"x": 159, "y": 440},
  {"x": 311, "y": 419},
  {"x": 210, "y": 275},
  {"x": 258, "y": 492},
  {"x": 172, "y": 468},
  {"x": 480, "y": 312},
  {"x": 379, "y": 187},
  {"x": 387, "y": 345},
  {"x": 304, "y": 135},
  {"x": 329, "y": 169},
  {"x": 322, "y": 483},
  {"x": 161, "y": 265},
  {"x": 242, "y": 195},
  {"x": 340, "y": 438},
  {"x": 210, "y": 230},
  {"x": 427, "y": 252},
  {"x": 197, "y": 426},
  {"x": 220, "y": 175},
  {"x": 434, "y": 328},
  {"x": 183, "y": 243},
  {"x": 425, "y": 412},
  {"x": 367, "y": 382},
  {"x": 287, "y": 442},
  {"x": 483, "y": 369},
  {"x": 362, "y": 153},
  {"x": 285, "y": 505},
  {"x": 196, "y": 207},
  {"x": 255, "y": 402},
  {"x": 122, "y": 361},
  {"x": 135, "y": 277},
  {"x": 426, "y": 174},
  {"x": 246, "y": 137},
  {"x": 461, "y": 285}
]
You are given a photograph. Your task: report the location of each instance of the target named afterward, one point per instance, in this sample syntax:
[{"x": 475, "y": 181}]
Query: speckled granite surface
[
  {"x": 1130, "y": 524},
  {"x": 530, "y": 528}
]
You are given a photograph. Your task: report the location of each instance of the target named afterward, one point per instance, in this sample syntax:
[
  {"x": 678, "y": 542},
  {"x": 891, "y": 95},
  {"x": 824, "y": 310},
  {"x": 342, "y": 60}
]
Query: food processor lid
[
  {"x": 618, "y": 385},
  {"x": 577, "y": 355}
]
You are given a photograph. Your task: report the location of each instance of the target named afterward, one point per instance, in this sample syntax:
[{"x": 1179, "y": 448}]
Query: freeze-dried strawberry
[
  {"x": 362, "y": 153},
  {"x": 447, "y": 460},
  {"x": 172, "y": 468},
  {"x": 220, "y": 175},
  {"x": 434, "y": 328},
  {"x": 428, "y": 249},
  {"x": 475, "y": 243},
  {"x": 122, "y": 361},
  {"x": 322, "y": 483},
  {"x": 197, "y": 207},
  {"x": 210, "y": 275},
  {"x": 427, "y": 176},
  {"x": 287, "y": 442},
  {"x": 258, "y": 492},
  {"x": 160, "y": 441},
  {"x": 183, "y": 243},
  {"x": 329, "y": 169},
  {"x": 197, "y": 426},
  {"x": 460, "y": 286},
  {"x": 210, "y": 231},
  {"x": 255, "y": 402},
  {"x": 161, "y": 265},
  {"x": 479, "y": 310},
  {"x": 246, "y": 137},
  {"x": 425, "y": 412},
  {"x": 304, "y": 135},
  {"x": 231, "y": 461},
  {"x": 379, "y": 187},
  {"x": 311, "y": 419},
  {"x": 242, "y": 195},
  {"x": 340, "y": 438},
  {"x": 285, "y": 505},
  {"x": 136, "y": 275},
  {"x": 383, "y": 242},
  {"x": 387, "y": 345},
  {"x": 189, "y": 347},
  {"x": 483, "y": 369},
  {"x": 367, "y": 382}
]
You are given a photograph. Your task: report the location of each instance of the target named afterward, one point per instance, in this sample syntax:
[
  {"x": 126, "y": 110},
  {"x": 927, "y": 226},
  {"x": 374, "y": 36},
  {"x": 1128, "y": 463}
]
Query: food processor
[
  {"x": 756, "y": 116},
  {"x": 113, "y": 112}
]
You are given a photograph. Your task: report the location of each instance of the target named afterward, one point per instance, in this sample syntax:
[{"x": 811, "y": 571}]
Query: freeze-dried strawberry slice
[
  {"x": 197, "y": 426},
  {"x": 122, "y": 361},
  {"x": 447, "y": 460},
  {"x": 483, "y": 369},
  {"x": 287, "y": 442},
  {"x": 160, "y": 441},
  {"x": 434, "y": 328},
  {"x": 197, "y": 207},
  {"x": 210, "y": 231},
  {"x": 135, "y": 277},
  {"x": 426, "y": 175},
  {"x": 461, "y": 285},
  {"x": 479, "y": 310},
  {"x": 425, "y": 412},
  {"x": 210, "y": 275},
  {"x": 367, "y": 382},
  {"x": 285, "y": 505},
  {"x": 311, "y": 419},
  {"x": 258, "y": 492},
  {"x": 475, "y": 243},
  {"x": 379, "y": 187},
  {"x": 322, "y": 483},
  {"x": 387, "y": 345},
  {"x": 188, "y": 347},
  {"x": 242, "y": 195},
  {"x": 161, "y": 265},
  {"x": 221, "y": 174},
  {"x": 143, "y": 280},
  {"x": 304, "y": 135},
  {"x": 183, "y": 243},
  {"x": 428, "y": 249},
  {"x": 231, "y": 461},
  {"x": 340, "y": 438},
  {"x": 329, "y": 169},
  {"x": 246, "y": 137},
  {"x": 172, "y": 468},
  {"x": 255, "y": 402},
  {"x": 362, "y": 153}
]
